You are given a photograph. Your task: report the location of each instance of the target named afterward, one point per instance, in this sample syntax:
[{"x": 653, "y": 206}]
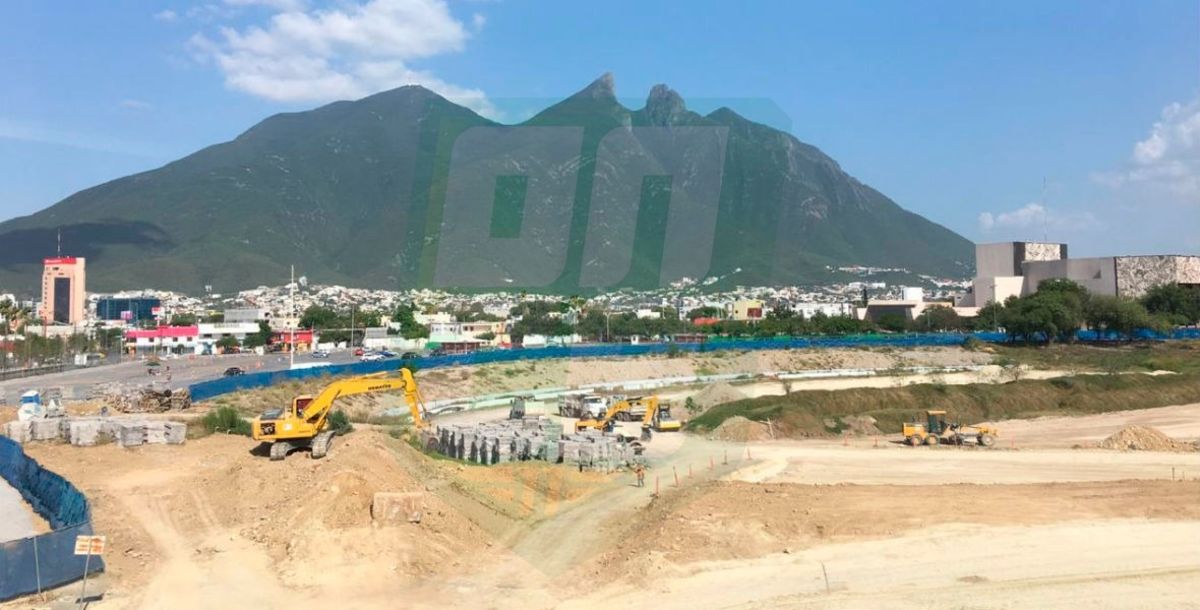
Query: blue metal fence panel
[
  {"x": 49, "y": 560},
  {"x": 210, "y": 389}
]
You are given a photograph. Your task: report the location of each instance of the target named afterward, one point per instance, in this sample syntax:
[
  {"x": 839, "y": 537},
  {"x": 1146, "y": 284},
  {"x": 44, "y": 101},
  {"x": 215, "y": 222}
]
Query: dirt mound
[
  {"x": 858, "y": 425},
  {"x": 715, "y": 394},
  {"x": 739, "y": 429},
  {"x": 1143, "y": 438}
]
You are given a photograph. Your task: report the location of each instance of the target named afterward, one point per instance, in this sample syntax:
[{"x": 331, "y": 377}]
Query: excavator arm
[
  {"x": 302, "y": 423},
  {"x": 651, "y": 412},
  {"x": 609, "y": 415},
  {"x": 316, "y": 411}
]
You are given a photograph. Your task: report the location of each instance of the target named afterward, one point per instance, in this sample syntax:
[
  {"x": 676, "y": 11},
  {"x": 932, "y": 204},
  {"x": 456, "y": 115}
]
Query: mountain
[{"x": 353, "y": 193}]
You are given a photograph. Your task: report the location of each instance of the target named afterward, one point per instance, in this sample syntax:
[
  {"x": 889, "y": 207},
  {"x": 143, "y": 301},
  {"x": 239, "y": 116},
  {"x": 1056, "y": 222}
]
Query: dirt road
[
  {"x": 1179, "y": 422},
  {"x": 1127, "y": 563},
  {"x": 16, "y": 516}
]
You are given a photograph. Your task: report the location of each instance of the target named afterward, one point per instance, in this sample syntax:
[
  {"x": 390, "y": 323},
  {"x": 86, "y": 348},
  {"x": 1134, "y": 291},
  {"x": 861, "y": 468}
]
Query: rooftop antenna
[{"x": 1045, "y": 237}]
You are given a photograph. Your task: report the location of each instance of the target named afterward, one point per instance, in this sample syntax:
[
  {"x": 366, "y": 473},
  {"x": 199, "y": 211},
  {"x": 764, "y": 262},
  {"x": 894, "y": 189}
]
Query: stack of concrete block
[
  {"x": 496, "y": 442},
  {"x": 19, "y": 431},
  {"x": 89, "y": 431},
  {"x": 595, "y": 450},
  {"x": 45, "y": 429},
  {"x": 136, "y": 432},
  {"x": 129, "y": 433},
  {"x": 176, "y": 432},
  {"x": 84, "y": 432}
]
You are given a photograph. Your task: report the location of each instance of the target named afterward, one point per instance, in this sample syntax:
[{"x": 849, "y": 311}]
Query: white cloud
[
  {"x": 167, "y": 16},
  {"x": 1033, "y": 216},
  {"x": 349, "y": 52},
  {"x": 132, "y": 104},
  {"x": 1169, "y": 158}
]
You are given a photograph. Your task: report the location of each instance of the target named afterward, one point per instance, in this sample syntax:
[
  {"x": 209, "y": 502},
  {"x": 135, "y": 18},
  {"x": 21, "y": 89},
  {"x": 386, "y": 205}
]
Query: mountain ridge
[{"x": 351, "y": 192}]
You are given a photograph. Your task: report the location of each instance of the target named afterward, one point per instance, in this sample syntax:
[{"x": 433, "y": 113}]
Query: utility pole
[
  {"x": 293, "y": 321},
  {"x": 352, "y": 326}
]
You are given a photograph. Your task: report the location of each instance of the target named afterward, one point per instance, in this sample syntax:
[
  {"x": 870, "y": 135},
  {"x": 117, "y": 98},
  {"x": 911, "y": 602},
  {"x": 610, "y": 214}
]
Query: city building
[
  {"x": 746, "y": 311},
  {"x": 246, "y": 314},
  {"x": 173, "y": 339},
  {"x": 212, "y": 332},
  {"x": 1018, "y": 268},
  {"x": 300, "y": 338},
  {"x": 130, "y": 309},
  {"x": 808, "y": 310},
  {"x": 63, "y": 285}
]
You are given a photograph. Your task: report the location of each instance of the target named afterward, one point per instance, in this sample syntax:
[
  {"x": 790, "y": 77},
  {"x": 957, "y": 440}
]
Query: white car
[{"x": 372, "y": 357}]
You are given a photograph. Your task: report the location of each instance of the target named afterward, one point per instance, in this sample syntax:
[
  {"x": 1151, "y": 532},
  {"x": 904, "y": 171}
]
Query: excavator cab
[{"x": 299, "y": 403}]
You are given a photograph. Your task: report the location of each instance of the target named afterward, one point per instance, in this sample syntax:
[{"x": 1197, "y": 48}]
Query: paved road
[
  {"x": 16, "y": 518},
  {"x": 185, "y": 370}
]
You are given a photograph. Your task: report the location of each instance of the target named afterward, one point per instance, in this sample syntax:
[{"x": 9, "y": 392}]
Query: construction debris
[
  {"x": 738, "y": 429},
  {"x": 1143, "y": 438},
  {"x": 122, "y": 398},
  {"x": 90, "y": 431},
  {"x": 391, "y": 507}
]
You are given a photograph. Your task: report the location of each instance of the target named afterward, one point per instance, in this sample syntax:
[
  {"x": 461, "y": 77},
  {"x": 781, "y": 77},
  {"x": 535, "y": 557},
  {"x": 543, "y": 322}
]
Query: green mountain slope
[{"x": 352, "y": 193}]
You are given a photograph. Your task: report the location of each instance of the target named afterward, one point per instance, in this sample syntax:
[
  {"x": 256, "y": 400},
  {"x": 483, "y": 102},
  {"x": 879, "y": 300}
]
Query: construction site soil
[
  {"x": 214, "y": 524},
  {"x": 740, "y": 520}
]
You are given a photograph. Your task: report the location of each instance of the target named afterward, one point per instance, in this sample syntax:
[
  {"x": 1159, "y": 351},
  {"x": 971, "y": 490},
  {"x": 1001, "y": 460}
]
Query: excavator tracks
[{"x": 321, "y": 444}]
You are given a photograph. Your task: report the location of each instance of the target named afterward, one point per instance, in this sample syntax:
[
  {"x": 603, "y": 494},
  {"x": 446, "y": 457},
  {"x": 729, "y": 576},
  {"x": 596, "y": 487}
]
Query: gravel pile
[
  {"x": 1142, "y": 438},
  {"x": 739, "y": 429}
]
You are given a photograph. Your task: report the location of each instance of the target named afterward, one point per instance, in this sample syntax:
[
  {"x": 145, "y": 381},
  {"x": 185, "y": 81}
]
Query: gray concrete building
[{"x": 1018, "y": 268}]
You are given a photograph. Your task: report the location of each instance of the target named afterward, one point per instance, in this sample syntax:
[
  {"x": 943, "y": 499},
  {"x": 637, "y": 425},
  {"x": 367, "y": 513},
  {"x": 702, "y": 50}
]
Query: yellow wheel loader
[
  {"x": 303, "y": 423},
  {"x": 936, "y": 430}
]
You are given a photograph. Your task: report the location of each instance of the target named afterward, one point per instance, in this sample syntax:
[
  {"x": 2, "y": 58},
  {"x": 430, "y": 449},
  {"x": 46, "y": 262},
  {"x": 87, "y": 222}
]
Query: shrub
[
  {"x": 226, "y": 420},
  {"x": 339, "y": 422},
  {"x": 972, "y": 343}
]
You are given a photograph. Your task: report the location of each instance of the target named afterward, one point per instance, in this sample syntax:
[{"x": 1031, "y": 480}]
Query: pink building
[{"x": 163, "y": 339}]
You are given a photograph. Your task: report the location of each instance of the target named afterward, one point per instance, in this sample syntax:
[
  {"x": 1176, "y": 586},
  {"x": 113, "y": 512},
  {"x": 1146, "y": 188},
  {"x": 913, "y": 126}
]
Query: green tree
[
  {"x": 260, "y": 338},
  {"x": 227, "y": 343},
  {"x": 780, "y": 312},
  {"x": 183, "y": 319},
  {"x": 989, "y": 316},
  {"x": 893, "y": 322},
  {"x": 704, "y": 312},
  {"x": 1179, "y": 304},
  {"x": 316, "y": 316},
  {"x": 938, "y": 319}
]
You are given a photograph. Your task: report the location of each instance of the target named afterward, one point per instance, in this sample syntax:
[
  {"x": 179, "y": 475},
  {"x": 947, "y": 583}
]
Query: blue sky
[{"x": 958, "y": 110}]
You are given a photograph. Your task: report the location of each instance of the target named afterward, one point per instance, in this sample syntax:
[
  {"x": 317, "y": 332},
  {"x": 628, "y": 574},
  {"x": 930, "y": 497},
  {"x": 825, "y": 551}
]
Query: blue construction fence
[
  {"x": 31, "y": 565},
  {"x": 210, "y": 389}
]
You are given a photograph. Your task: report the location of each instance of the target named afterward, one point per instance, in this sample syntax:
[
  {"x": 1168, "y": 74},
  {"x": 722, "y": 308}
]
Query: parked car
[
  {"x": 358, "y": 351},
  {"x": 409, "y": 356},
  {"x": 320, "y": 354},
  {"x": 372, "y": 357},
  {"x": 234, "y": 371},
  {"x": 387, "y": 353}
]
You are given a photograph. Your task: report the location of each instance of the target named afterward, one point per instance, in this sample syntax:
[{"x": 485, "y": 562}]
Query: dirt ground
[
  {"x": 1180, "y": 422},
  {"x": 211, "y": 524},
  {"x": 856, "y": 523},
  {"x": 460, "y": 382}
]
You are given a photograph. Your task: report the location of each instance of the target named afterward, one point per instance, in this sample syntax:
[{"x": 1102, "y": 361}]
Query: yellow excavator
[
  {"x": 657, "y": 416},
  {"x": 658, "y": 419},
  {"x": 302, "y": 424},
  {"x": 935, "y": 429}
]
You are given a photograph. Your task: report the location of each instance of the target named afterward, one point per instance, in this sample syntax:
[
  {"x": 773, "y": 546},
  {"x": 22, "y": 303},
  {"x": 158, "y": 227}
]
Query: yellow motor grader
[{"x": 935, "y": 429}]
